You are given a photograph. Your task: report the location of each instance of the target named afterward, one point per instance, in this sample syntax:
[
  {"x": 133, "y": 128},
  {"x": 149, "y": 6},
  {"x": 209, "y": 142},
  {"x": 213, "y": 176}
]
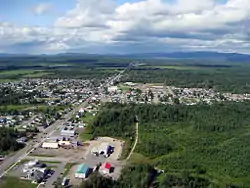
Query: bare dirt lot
[
  {"x": 61, "y": 154},
  {"x": 92, "y": 160},
  {"x": 117, "y": 144}
]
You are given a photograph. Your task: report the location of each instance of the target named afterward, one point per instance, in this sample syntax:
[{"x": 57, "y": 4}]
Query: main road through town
[{"x": 11, "y": 161}]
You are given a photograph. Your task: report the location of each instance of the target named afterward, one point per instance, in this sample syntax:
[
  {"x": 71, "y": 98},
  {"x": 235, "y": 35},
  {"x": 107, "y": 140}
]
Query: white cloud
[
  {"x": 42, "y": 8},
  {"x": 185, "y": 24}
]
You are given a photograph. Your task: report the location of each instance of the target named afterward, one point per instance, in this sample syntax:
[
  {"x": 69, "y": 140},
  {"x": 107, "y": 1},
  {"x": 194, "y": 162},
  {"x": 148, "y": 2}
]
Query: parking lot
[{"x": 56, "y": 159}]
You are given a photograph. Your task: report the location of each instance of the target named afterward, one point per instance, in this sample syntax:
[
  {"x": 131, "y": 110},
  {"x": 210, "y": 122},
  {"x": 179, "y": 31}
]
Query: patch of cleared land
[{"x": 14, "y": 182}]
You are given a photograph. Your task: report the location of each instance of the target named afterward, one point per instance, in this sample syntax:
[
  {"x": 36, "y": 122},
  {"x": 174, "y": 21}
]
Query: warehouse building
[
  {"x": 50, "y": 145},
  {"x": 82, "y": 171}
]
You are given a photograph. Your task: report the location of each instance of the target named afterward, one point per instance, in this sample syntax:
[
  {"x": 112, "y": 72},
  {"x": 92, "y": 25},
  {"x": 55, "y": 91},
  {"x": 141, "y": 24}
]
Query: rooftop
[{"x": 82, "y": 169}]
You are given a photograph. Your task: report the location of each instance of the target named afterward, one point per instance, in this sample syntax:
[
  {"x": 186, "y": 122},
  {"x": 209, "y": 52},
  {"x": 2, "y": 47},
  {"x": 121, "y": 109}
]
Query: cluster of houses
[{"x": 149, "y": 93}]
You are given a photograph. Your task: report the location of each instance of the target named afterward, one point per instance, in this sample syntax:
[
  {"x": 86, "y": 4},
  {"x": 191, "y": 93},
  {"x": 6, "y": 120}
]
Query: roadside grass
[
  {"x": 41, "y": 155},
  {"x": 127, "y": 146},
  {"x": 51, "y": 162},
  {"x": 68, "y": 166},
  {"x": 23, "y": 161},
  {"x": 14, "y": 182}
]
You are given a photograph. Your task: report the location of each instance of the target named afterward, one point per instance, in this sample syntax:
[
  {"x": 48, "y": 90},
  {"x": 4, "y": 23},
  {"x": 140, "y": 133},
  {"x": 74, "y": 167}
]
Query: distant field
[
  {"x": 16, "y": 74},
  {"x": 177, "y": 67}
]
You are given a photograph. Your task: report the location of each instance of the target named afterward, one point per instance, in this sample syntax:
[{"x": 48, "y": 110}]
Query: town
[{"x": 54, "y": 117}]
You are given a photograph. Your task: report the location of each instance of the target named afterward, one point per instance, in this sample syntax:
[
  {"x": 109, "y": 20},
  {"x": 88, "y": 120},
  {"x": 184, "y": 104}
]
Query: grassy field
[
  {"x": 16, "y": 74},
  {"x": 68, "y": 166},
  {"x": 177, "y": 67},
  {"x": 16, "y": 107},
  {"x": 123, "y": 88},
  {"x": 13, "y": 182},
  {"x": 87, "y": 134}
]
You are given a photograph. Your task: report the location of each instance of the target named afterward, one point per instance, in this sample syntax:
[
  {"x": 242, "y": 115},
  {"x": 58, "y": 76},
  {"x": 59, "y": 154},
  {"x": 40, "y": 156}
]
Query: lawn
[
  {"x": 68, "y": 166},
  {"x": 123, "y": 88},
  {"x": 41, "y": 155},
  {"x": 14, "y": 182}
]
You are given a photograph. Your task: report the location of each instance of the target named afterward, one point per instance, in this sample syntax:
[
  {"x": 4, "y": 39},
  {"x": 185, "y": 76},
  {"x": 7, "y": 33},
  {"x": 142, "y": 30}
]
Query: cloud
[
  {"x": 145, "y": 25},
  {"x": 42, "y": 8}
]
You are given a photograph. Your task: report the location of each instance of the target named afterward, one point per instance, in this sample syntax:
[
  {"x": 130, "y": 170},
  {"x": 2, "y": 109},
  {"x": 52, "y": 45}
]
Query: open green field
[
  {"x": 16, "y": 72},
  {"x": 22, "y": 73},
  {"x": 176, "y": 67},
  {"x": 13, "y": 182}
]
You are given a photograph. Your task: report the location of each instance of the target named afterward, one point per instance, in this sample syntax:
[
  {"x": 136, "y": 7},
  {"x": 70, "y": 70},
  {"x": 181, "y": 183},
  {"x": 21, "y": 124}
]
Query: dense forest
[
  {"x": 8, "y": 141},
  {"x": 232, "y": 79},
  {"x": 196, "y": 146}
]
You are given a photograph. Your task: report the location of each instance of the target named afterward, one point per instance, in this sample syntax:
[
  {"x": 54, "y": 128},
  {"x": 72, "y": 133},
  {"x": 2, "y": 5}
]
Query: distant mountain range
[
  {"x": 195, "y": 55},
  {"x": 236, "y": 57}
]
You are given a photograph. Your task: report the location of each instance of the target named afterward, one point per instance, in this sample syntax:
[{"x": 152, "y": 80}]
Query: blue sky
[
  {"x": 20, "y": 12},
  {"x": 124, "y": 26}
]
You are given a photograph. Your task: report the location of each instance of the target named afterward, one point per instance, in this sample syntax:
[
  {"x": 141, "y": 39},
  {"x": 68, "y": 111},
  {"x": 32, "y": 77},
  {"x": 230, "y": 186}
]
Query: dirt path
[{"x": 136, "y": 140}]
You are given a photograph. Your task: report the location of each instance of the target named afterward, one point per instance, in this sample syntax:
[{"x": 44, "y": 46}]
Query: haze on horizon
[{"x": 124, "y": 26}]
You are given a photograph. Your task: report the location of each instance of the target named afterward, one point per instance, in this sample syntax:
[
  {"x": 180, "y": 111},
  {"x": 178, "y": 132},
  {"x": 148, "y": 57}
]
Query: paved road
[{"x": 10, "y": 162}]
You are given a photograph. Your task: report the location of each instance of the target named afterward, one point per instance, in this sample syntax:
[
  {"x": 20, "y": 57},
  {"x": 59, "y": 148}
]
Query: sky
[{"x": 124, "y": 26}]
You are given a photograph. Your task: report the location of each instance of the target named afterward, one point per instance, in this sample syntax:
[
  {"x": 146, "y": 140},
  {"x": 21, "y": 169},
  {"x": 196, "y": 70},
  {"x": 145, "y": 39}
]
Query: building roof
[
  {"x": 106, "y": 165},
  {"x": 82, "y": 169}
]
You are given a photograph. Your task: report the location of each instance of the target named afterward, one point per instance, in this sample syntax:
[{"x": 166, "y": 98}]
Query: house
[
  {"x": 105, "y": 168},
  {"x": 50, "y": 145},
  {"x": 82, "y": 171}
]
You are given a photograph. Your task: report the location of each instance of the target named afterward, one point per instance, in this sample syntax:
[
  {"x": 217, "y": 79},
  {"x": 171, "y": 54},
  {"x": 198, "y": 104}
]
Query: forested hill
[{"x": 196, "y": 146}]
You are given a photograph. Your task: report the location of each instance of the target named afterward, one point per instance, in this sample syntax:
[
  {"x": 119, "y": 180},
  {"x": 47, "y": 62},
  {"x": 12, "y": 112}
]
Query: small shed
[{"x": 82, "y": 171}]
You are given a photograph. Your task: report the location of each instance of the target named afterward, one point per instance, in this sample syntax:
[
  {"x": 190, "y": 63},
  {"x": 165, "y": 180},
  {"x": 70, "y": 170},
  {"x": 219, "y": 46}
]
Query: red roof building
[{"x": 105, "y": 168}]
